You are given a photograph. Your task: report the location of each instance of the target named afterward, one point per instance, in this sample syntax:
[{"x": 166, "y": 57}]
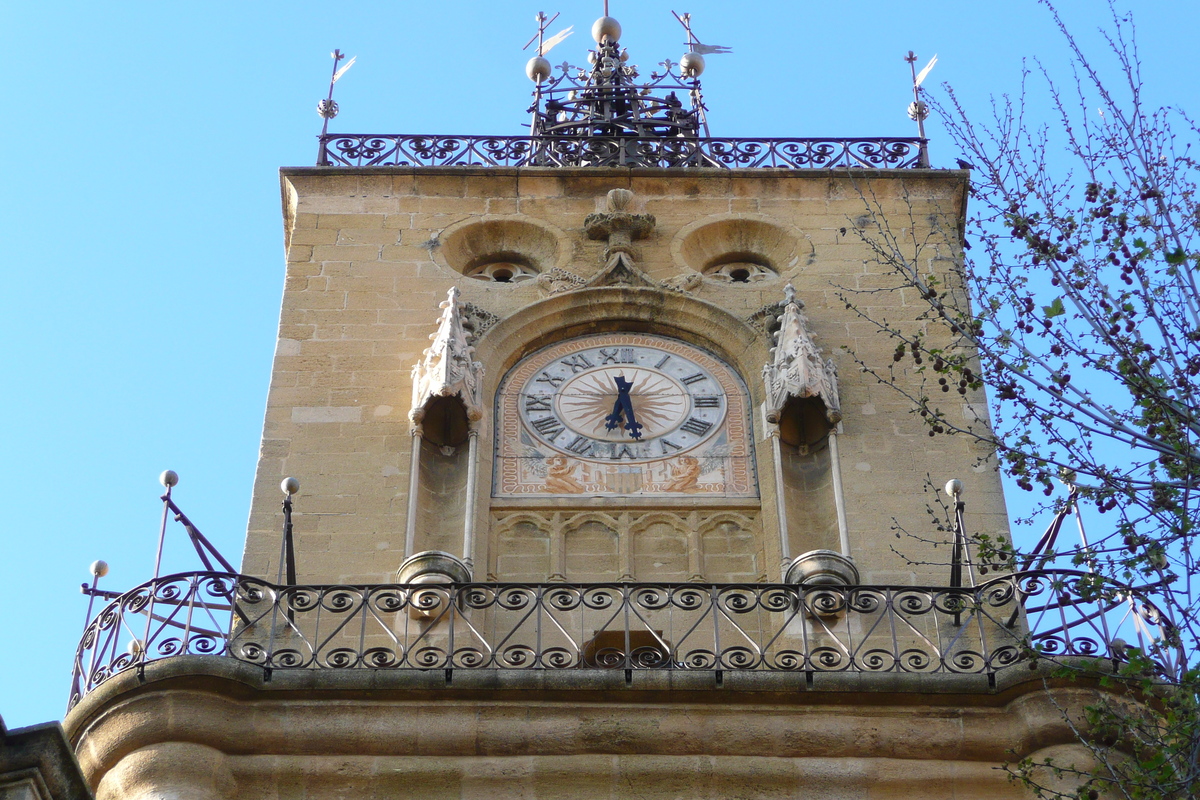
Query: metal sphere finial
[
  {"x": 169, "y": 478},
  {"x": 691, "y": 65},
  {"x": 327, "y": 109},
  {"x": 538, "y": 69},
  {"x": 606, "y": 27},
  {"x": 954, "y": 488},
  {"x": 98, "y": 568},
  {"x": 290, "y": 486}
]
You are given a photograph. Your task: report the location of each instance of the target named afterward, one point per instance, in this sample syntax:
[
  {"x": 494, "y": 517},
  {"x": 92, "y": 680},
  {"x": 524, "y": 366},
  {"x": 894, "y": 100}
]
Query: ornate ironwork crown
[
  {"x": 607, "y": 116},
  {"x": 608, "y": 100}
]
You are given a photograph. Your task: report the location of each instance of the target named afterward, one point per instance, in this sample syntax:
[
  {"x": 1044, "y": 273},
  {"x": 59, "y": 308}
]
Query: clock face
[{"x": 623, "y": 414}]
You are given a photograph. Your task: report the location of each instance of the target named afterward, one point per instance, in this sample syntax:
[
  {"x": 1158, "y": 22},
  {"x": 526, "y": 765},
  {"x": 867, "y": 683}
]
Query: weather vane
[
  {"x": 693, "y": 44},
  {"x": 546, "y": 45},
  {"x": 327, "y": 108},
  {"x": 918, "y": 111}
]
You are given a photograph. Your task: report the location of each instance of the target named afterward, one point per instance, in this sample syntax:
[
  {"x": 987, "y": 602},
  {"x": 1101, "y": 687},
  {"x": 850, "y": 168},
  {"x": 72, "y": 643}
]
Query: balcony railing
[
  {"x": 630, "y": 626},
  {"x": 418, "y": 150}
]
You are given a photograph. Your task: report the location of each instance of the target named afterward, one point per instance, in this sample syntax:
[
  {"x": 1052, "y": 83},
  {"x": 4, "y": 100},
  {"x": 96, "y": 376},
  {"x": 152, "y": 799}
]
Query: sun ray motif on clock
[{"x": 587, "y": 401}]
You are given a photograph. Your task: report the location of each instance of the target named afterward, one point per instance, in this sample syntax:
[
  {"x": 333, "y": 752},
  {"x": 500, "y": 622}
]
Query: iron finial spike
[
  {"x": 337, "y": 56},
  {"x": 917, "y": 110},
  {"x": 686, "y": 21},
  {"x": 543, "y": 23}
]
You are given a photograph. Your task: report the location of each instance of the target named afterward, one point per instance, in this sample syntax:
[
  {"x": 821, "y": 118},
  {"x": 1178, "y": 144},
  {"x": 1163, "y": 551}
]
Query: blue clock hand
[
  {"x": 625, "y": 404},
  {"x": 614, "y": 420}
]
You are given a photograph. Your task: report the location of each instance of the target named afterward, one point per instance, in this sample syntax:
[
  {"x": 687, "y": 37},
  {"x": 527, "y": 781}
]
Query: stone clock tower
[{"x": 595, "y": 503}]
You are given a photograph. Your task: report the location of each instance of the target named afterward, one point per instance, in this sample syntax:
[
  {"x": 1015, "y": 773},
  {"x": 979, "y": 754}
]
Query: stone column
[
  {"x": 414, "y": 486},
  {"x": 469, "y": 512},
  {"x": 170, "y": 771}
]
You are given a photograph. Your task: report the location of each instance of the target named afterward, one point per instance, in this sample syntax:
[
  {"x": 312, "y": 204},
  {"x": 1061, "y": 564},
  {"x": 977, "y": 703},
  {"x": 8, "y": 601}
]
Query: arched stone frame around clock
[{"x": 629, "y": 309}]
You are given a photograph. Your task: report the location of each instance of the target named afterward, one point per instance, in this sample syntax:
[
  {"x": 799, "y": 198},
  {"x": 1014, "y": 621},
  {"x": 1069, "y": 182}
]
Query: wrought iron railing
[
  {"x": 404, "y": 150},
  {"x": 631, "y": 626}
]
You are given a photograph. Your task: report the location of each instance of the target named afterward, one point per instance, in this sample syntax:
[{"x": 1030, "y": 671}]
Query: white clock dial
[
  {"x": 561, "y": 429},
  {"x": 569, "y": 403}
]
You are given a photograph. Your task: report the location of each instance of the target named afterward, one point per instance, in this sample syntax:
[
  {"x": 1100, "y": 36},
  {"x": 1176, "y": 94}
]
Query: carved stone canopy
[
  {"x": 796, "y": 369},
  {"x": 447, "y": 367}
]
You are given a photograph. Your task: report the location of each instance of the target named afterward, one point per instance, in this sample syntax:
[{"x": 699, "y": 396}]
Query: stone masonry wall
[{"x": 369, "y": 259}]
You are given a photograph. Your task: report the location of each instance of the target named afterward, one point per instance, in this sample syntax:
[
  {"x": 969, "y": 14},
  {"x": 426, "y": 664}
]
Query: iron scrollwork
[
  {"x": 633, "y": 626},
  {"x": 408, "y": 150}
]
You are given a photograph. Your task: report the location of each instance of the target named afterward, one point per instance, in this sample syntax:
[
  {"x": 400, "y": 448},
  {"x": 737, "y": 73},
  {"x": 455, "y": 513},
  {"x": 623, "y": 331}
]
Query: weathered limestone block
[{"x": 170, "y": 771}]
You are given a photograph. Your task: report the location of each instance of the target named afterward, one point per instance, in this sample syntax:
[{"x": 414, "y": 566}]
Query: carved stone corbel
[
  {"x": 622, "y": 228},
  {"x": 617, "y": 224}
]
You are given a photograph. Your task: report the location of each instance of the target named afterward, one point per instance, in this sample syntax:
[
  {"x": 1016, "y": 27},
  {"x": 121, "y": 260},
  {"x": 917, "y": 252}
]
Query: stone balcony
[{"x": 583, "y": 633}]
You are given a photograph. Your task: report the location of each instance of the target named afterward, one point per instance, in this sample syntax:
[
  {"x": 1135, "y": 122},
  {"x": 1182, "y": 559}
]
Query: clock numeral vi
[{"x": 624, "y": 451}]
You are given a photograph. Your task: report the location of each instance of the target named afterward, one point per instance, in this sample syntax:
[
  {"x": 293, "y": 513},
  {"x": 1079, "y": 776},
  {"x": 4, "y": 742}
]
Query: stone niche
[
  {"x": 496, "y": 249},
  {"x": 734, "y": 249}
]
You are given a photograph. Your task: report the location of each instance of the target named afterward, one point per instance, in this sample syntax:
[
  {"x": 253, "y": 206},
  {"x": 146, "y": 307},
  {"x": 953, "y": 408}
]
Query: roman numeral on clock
[
  {"x": 707, "y": 402},
  {"x": 553, "y": 380},
  {"x": 624, "y": 451},
  {"x": 690, "y": 379},
  {"x": 581, "y": 445},
  {"x": 537, "y": 402},
  {"x": 616, "y": 355},
  {"x": 577, "y": 363},
  {"x": 548, "y": 426},
  {"x": 696, "y": 426}
]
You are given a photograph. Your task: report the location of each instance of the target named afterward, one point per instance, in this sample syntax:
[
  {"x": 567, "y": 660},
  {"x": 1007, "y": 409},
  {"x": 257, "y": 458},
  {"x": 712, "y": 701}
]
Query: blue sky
[{"x": 141, "y": 237}]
